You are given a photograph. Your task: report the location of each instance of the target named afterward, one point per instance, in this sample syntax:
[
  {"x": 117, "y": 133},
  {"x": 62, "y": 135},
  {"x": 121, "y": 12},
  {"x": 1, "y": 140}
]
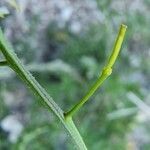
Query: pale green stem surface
[{"x": 105, "y": 73}]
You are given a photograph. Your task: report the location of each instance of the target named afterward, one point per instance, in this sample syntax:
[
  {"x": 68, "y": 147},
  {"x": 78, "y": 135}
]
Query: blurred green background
[{"x": 65, "y": 44}]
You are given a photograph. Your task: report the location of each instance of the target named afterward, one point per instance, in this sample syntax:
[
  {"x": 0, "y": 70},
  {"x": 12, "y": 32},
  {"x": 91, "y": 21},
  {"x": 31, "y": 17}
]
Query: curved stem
[{"x": 105, "y": 73}]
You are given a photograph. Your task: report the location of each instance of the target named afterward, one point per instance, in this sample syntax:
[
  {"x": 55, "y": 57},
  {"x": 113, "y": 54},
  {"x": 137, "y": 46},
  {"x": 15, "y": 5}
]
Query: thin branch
[
  {"x": 3, "y": 63},
  {"x": 105, "y": 73}
]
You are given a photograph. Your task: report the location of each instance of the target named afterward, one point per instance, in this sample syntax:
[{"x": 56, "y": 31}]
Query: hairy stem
[{"x": 105, "y": 73}]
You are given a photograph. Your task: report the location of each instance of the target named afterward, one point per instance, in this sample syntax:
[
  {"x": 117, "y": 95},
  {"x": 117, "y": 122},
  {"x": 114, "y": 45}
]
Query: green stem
[
  {"x": 3, "y": 63},
  {"x": 105, "y": 73},
  {"x": 38, "y": 90}
]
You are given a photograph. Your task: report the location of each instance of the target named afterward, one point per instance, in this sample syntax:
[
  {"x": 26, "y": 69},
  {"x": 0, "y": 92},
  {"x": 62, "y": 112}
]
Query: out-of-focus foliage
[
  {"x": 82, "y": 54},
  {"x": 3, "y": 11}
]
